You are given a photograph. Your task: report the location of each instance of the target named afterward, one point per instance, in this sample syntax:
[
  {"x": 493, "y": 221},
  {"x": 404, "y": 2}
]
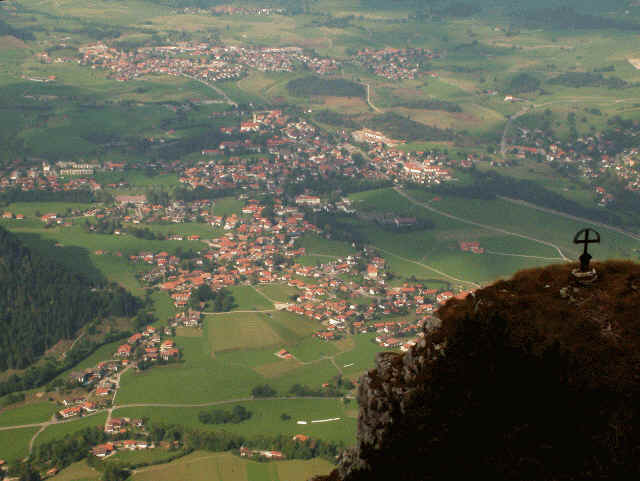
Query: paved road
[
  {"x": 478, "y": 224},
  {"x": 376, "y": 109}
]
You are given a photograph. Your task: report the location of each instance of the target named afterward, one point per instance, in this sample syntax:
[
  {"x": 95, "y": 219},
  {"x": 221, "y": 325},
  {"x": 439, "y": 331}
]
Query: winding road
[{"x": 479, "y": 224}]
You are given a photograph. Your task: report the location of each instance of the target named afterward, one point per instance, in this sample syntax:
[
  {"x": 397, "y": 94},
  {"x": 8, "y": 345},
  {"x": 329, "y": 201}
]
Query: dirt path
[{"x": 478, "y": 224}]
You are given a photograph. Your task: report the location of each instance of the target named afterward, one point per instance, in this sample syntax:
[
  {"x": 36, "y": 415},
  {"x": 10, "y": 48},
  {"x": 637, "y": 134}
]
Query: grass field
[
  {"x": 247, "y": 298},
  {"x": 147, "y": 456},
  {"x": 278, "y": 292},
  {"x": 27, "y": 414},
  {"x": 240, "y": 331},
  {"x": 204, "y": 466},
  {"x": 227, "y": 206},
  {"x": 14, "y": 444},
  {"x": 438, "y": 247},
  {"x": 315, "y": 245},
  {"x": 266, "y": 419},
  {"x": 60, "y": 431},
  {"x": 79, "y": 471}
]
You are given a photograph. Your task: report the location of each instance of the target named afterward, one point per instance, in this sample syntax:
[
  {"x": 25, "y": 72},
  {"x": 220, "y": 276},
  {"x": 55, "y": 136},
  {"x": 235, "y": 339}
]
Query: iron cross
[{"x": 585, "y": 258}]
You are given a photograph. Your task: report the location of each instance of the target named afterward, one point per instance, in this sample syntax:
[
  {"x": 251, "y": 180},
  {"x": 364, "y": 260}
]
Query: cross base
[{"x": 585, "y": 278}]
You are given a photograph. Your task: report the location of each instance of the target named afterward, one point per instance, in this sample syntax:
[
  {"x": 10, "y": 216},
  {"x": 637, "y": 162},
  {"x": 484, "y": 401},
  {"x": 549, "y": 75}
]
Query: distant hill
[{"x": 41, "y": 302}]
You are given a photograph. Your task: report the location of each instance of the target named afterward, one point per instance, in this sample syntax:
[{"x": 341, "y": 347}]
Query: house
[
  {"x": 372, "y": 272},
  {"x": 115, "y": 425},
  {"x": 70, "y": 412},
  {"x": 124, "y": 351},
  {"x": 103, "y": 450}
]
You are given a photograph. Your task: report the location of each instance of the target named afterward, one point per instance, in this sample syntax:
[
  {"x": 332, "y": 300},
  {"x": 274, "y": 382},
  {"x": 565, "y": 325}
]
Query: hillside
[
  {"x": 42, "y": 302},
  {"x": 531, "y": 378}
]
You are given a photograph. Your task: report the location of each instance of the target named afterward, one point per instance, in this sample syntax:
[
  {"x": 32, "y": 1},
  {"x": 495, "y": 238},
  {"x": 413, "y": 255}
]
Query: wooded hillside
[{"x": 42, "y": 302}]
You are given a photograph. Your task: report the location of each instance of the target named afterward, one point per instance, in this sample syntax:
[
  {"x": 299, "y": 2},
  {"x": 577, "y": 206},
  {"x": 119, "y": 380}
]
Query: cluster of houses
[
  {"x": 45, "y": 176},
  {"x": 592, "y": 156},
  {"x": 200, "y": 60},
  {"x": 418, "y": 167},
  {"x": 147, "y": 345},
  {"x": 395, "y": 63}
]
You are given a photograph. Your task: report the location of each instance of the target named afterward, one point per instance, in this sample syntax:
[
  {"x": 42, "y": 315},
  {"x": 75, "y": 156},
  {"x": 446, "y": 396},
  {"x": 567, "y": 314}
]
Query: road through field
[
  {"x": 213, "y": 87},
  {"x": 478, "y": 224},
  {"x": 572, "y": 217}
]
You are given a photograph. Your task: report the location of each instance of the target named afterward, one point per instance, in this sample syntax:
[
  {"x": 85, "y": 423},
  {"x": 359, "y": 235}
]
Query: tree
[{"x": 263, "y": 390}]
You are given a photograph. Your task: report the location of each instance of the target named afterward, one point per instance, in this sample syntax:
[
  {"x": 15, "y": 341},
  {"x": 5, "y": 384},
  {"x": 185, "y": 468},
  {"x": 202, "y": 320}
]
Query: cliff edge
[{"x": 532, "y": 378}]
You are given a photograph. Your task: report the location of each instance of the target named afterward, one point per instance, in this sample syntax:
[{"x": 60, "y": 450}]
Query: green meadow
[
  {"x": 266, "y": 418},
  {"x": 27, "y": 414},
  {"x": 204, "y": 466},
  {"x": 61, "y": 430},
  {"x": 14, "y": 444}
]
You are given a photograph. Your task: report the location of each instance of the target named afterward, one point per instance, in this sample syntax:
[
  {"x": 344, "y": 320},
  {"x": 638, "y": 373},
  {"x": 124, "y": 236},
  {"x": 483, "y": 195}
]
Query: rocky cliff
[{"x": 532, "y": 378}]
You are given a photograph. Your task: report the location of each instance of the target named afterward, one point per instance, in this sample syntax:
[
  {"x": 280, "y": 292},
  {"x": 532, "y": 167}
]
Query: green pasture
[
  {"x": 146, "y": 456},
  {"x": 278, "y": 292},
  {"x": 61, "y": 430},
  {"x": 319, "y": 246},
  {"x": 227, "y": 206},
  {"x": 30, "y": 413},
  {"x": 525, "y": 220},
  {"x": 14, "y": 444},
  {"x": 247, "y": 298},
  {"x": 205, "y": 466},
  {"x": 265, "y": 418},
  {"x": 79, "y": 471}
]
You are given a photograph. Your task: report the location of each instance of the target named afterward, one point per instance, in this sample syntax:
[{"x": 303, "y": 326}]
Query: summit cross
[{"x": 585, "y": 258}]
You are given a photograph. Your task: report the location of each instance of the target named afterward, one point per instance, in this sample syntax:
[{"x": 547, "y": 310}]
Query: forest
[{"x": 41, "y": 302}]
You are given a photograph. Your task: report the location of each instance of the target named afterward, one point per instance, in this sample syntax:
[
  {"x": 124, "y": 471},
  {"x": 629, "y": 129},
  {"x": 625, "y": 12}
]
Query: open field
[
  {"x": 278, "y": 292},
  {"x": 423, "y": 251},
  {"x": 27, "y": 414},
  {"x": 265, "y": 418},
  {"x": 144, "y": 456},
  {"x": 79, "y": 471},
  {"x": 247, "y": 298},
  {"x": 240, "y": 331},
  {"x": 14, "y": 444},
  {"x": 60, "y": 431},
  {"x": 204, "y": 466}
]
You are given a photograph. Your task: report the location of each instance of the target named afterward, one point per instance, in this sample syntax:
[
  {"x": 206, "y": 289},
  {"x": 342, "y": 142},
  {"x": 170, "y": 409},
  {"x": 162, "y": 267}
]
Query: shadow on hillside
[{"x": 74, "y": 258}]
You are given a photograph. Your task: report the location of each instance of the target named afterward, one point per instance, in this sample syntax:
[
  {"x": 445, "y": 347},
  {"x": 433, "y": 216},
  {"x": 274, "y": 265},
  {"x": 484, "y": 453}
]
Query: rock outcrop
[{"x": 533, "y": 378}]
